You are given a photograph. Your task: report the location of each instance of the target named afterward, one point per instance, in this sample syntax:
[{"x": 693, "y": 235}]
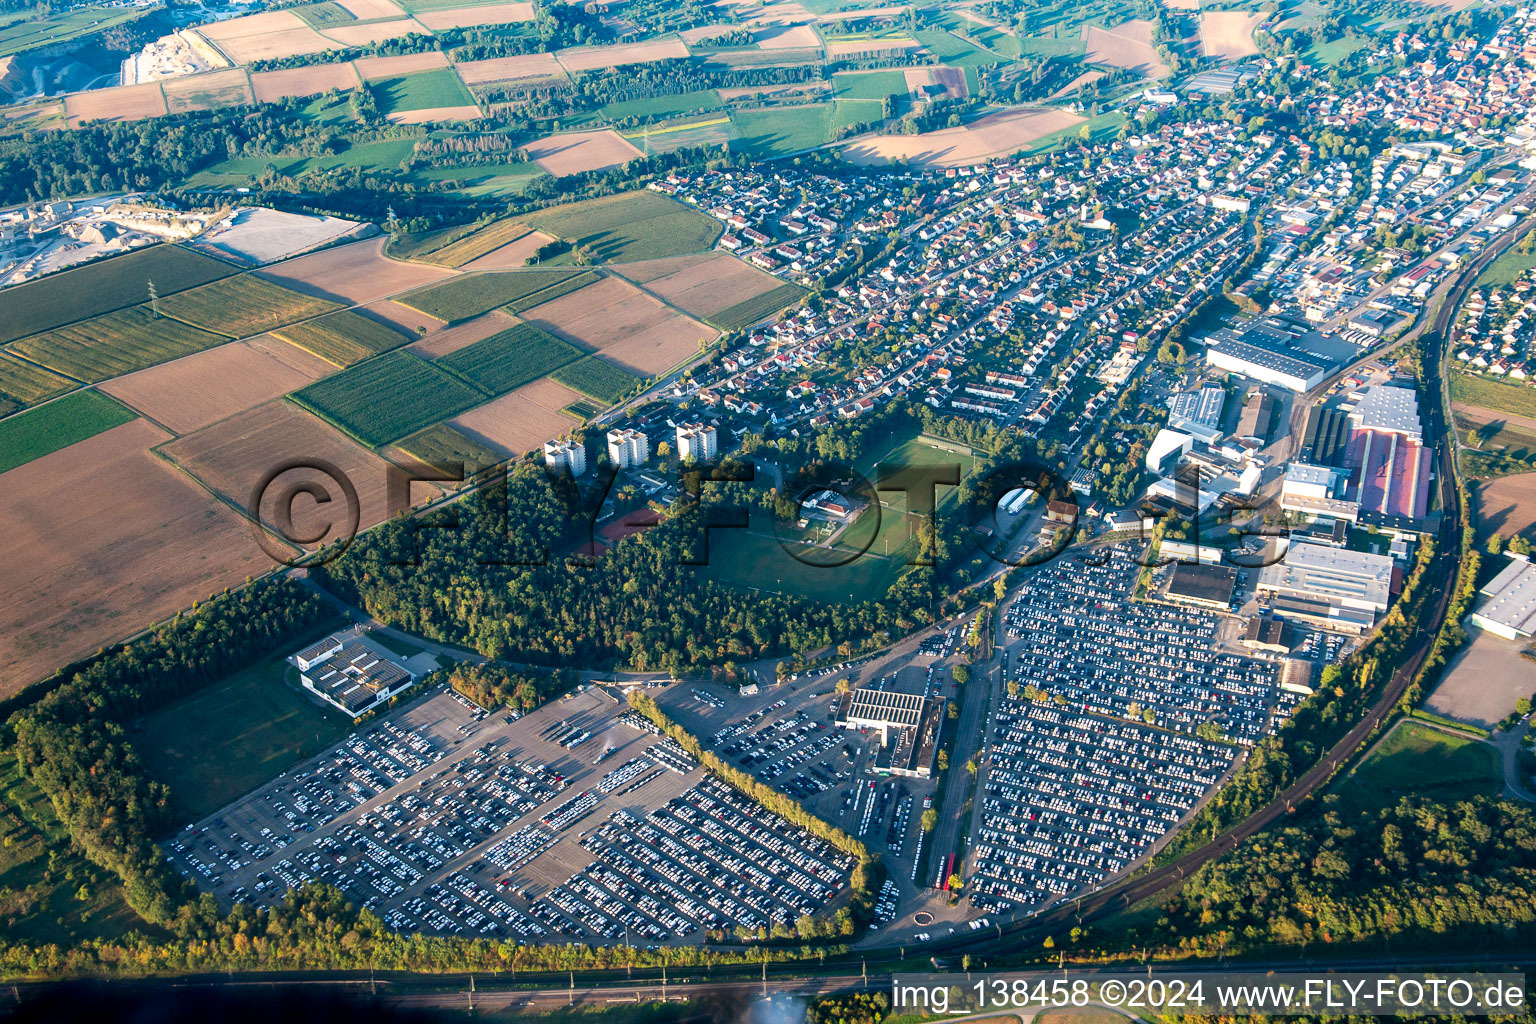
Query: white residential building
[
  {"x": 628, "y": 447},
  {"x": 562, "y": 455},
  {"x": 696, "y": 441}
]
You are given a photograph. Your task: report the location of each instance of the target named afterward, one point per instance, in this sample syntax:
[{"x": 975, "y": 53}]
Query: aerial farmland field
[
  {"x": 189, "y": 393},
  {"x": 22, "y": 383},
  {"x": 510, "y": 359},
  {"x": 103, "y": 286},
  {"x": 126, "y": 541},
  {"x": 471, "y": 295},
  {"x": 521, "y": 420},
  {"x": 472, "y": 246},
  {"x": 57, "y": 425},
  {"x": 597, "y": 378},
  {"x": 707, "y": 285},
  {"x": 749, "y": 311},
  {"x": 441, "y": 445},
  {"x": 354, "y": 272},
  {"x": 239, "y": 307},
  {"x": 420, "y": 90},
  {"x": 387, "y": 398},
  {"x": 114, "y": 343},
  {"x": 343, "y": 337},
  {"x": 630, "y": 226},
  {"x": 625, "y": 324}
]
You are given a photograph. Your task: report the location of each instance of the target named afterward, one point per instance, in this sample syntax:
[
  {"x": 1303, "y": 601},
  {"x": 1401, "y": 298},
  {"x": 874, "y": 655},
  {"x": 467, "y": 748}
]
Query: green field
[
  {"x": 421, "y": 90},
  {"x": 372, "y": 157},
  {"x": 49, "y": 892},
  {"x": 597, "y": 378},
  {"x": 343, "y": 337},
  {"x": 44, "y": 430},
  {"x": 846, "y": 113},
  {"x": 461, "y": 298},
  {"x": 324, "y": 15},
  {"x": 21, "y": 383},
  {"x": 242, "y": 306},
  {"x": 1100, "y": 129},
  {"x": 115, "y": 343},
  {"x": 750, "y": 311},
  {"x": 459, "y": 251},
  {"x": 483, "y": 179},
  {"x": 104, "y": 286},
  {"x": 779, "y": 130},
  {"x": 1496, "y": 396},
  {"x": 231, "y": 737},
  {"x": 19, "y": 36},
  {"x": 1418, "y": 758},
  {"x": 551, "y": 293},
  {"x": 954, "y": 51},
  {"x": 630, "y": 226},
  {"x": 1503, "y": 271},
  {"x": 582, "y": 410},
  {"x": 511, "y": 358},
  {"x": 440, "y": 445},
  {"x": 663, "y": 106},
  {"x": 387, "y": 398},
  {"x": 868, "y": 85}
]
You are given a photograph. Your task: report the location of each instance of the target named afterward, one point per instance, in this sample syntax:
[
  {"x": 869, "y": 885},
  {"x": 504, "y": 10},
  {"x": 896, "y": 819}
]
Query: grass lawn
[
  {"x": 441, "y": 445},
  {"x": 954, "y": 51},
  {"x": 629, "y": 226},
  {"x": 868, "y": 85},
  {"x": 851, "y": 112},
  {"x": 48, "y": 892},
  {"x": 236, "y": 734},
  {"x": 57, "y": 425},
  {"x": 1102, "y": 128},
  {"x": 663, "y": 106},
  {"x": 754, "y": 560},
  {"x": 506, "y": 179},
  {"x": 1333, "y": 53},
  {"x": 1496, "y": 396},
  {"x": 422, "y": 90},
  {"x": 779, "y": 130},
  {"x": 1503, "y": 271},
  {"x": 1418, "y": 758},
  {"x": 374, "y": 157}
]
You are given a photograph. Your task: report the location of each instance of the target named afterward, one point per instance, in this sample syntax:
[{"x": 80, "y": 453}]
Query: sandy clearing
[
  {"x": 512, "y": 256},
  {"x": 1507, "y": 505},
  {"x": 371, "y": 69},
  {"x": 992, "y": 136},
  {"x": 271, "y": 86},
  {"x": 520, "y": 420},
  {"x": 228, "y": 88},
  {"x": 466, "y": 17},
  {"x": 115, "y": 540},
  {"x": 1228, "y": 35},
  {"x": 787, "y": 37},
  {"x": 367, "y": 10},
  {"x": 509, "y": 69},
  {"x": 189, "y": 393},
  {"x": 233, "y": 455},
  {"x": 575, "y": 152},
  {"x": 871, "y": 46},
  {"x": 275, "y": 45},
  {"x": 122, "y": 103},
  {"x": 451, "y": 339},
  {"x": 623, "y": 323},
  {"x": 429, "y": 114},
  {"x": 362, "y": 35},
  {"x": 591, "y": 58},
  {"x": 355, "y": 273},
  {"x": 702, "y": 286}
]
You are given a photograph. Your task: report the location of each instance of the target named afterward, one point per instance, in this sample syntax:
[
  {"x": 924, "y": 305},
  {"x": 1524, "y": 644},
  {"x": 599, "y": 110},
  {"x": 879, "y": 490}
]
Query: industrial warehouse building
[
  {"x": 1275, "y": 350},
  {"x": 1509, "y": 606},
  {"x": 908, "y": 723},
  {"x": 1335, "y": 588},
  {"x": 349, "y": 675},
  {"x": 1205, "y": 586}
]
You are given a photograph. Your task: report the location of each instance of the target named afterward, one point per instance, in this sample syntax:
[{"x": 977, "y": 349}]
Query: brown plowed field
[
  {"x": 992, "y": 136},
  {"x": 123, "y": 103},
  {"x": 520, "y": 420},
  {"x": 1507, "y": 506},
  {"x": 374, "y": 68},
  {"x": 1228, "y": 35},
  {"x": 1125, "y": 46},
  {"x": 451, "y": 339},
  {"x": 228, "y": 88},
  {"x": 186, "y": 394},
  {"x": 512, "y": 256},
  {"x": 362, "y": 35},
  {"x": 115, "y": 539},
  {"x": 233, "y": 455},
  {"x": 623, "y": 323},
  {"x": 467, "y": 17},
  {"x": 590, "y": 59},
  {"x": 509, "y": 69},
  {"x": 575, "y": 152},
  {"x": 701, "y": 286},
  {"x": 272, "y": 86},
  {"x": 359, "y": 273}
]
